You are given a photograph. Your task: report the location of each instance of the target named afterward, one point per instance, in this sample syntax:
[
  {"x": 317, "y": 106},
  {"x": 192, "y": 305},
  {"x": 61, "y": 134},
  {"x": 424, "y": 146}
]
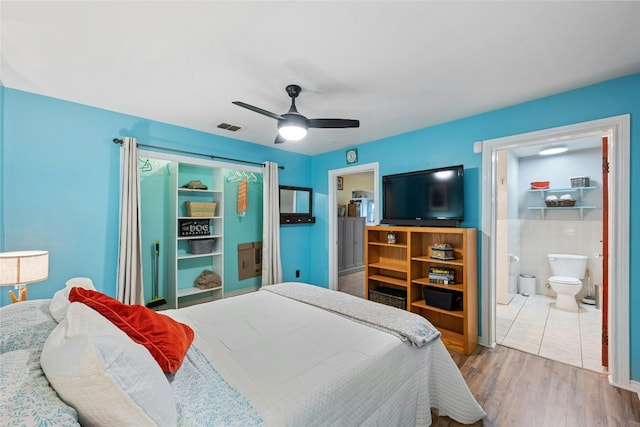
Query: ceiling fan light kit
[
  {"x": 292, "y": 133},
  {"x": 293, "y": 126}
]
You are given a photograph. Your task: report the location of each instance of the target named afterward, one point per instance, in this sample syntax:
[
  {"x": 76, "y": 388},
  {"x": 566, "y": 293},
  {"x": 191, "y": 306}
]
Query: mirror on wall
[{"x": 296, "y": 205}]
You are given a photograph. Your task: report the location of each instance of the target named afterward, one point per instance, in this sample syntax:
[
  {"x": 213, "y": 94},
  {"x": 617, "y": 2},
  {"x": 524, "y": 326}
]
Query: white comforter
[{"x": 300, "y": 365}]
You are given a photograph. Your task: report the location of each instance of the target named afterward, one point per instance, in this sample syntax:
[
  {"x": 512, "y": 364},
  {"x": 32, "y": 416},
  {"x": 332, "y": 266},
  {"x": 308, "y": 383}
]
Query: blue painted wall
[
  {"x": 452, "y": 143},
  {"x": 60, "y": 183},
  {"x": 60, "y": 176}
]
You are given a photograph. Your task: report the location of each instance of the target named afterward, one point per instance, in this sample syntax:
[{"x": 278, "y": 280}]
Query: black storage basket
[
  {"x": 202, "y": 246},
  {"x": 443, "y": 298}
]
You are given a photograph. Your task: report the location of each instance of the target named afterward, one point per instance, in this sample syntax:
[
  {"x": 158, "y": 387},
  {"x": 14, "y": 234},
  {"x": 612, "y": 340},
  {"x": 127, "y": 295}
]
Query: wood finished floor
[
  {"x": 525, "y": 390},
  {"x": 518, "y": 389}
]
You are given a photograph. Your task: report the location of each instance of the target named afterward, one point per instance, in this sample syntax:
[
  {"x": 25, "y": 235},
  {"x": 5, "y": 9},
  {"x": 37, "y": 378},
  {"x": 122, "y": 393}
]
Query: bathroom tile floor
[{"x": 533, "y": 325}]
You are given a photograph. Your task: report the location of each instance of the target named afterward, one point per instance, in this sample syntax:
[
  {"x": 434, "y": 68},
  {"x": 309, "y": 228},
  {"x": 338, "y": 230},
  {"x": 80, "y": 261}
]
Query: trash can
[{"x": 527, "y": 284}]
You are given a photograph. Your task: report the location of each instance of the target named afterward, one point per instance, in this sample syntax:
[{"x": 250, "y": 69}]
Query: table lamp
[{"x": 22, "y": 267}]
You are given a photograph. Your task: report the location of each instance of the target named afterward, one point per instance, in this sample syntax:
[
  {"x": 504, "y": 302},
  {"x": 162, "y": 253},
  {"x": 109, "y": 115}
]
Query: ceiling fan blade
[
  {"x": 333, "y": 123},
  {"x": 279, "y": 139},
  {"x": 258, "y": 110}
]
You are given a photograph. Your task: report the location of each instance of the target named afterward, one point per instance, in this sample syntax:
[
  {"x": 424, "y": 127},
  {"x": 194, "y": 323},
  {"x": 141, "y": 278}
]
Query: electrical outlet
[{"x": 297, "y": 273}]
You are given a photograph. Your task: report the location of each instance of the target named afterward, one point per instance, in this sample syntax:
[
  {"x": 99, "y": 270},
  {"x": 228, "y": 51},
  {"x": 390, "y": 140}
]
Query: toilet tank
[{"x": 568, "y": 265}]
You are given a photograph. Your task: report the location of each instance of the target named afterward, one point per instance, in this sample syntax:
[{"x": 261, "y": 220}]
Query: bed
[{"x": 290, "y": 354}]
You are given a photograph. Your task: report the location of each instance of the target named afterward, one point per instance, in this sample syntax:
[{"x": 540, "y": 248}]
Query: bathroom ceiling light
[{"x": 557, "y": 149}]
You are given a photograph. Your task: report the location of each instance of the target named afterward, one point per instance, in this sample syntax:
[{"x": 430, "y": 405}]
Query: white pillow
[
  {"x": 109, "y": 379},
  {"x": 60, "y": 301}
]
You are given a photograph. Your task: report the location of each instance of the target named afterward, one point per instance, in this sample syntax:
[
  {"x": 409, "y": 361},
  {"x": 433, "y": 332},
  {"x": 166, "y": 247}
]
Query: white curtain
[
  {"x": 271, "y": 264},
  {"x": 130, "y": 289}
]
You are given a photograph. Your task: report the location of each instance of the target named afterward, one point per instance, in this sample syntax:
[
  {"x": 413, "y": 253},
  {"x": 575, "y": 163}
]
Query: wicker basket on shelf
[
  {"x": 389, "y": 296},
  {"x": 560, "y": 203},
  {"x": 579, "y": 181},
  {"x": 201, "y": 209}
]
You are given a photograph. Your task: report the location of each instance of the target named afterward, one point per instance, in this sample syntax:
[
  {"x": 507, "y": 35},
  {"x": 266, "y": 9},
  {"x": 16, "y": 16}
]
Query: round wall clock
[{"x": 352, "y": 156}]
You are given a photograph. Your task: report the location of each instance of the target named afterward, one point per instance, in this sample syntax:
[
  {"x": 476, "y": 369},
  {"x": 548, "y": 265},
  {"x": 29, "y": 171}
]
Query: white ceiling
[{"x": 395, "y": 66}]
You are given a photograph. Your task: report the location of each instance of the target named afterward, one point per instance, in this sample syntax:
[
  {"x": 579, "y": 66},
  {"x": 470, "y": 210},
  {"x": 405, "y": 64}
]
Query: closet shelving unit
[{"x": 184, "y": 265}]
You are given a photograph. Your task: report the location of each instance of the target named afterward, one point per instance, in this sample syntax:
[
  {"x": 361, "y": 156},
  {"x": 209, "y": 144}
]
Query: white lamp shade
[{"x": 22, "y": 267}]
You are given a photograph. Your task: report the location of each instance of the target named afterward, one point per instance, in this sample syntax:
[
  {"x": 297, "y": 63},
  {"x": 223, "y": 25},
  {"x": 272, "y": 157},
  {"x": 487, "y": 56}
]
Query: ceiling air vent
[{"x": 228, "y": 127}]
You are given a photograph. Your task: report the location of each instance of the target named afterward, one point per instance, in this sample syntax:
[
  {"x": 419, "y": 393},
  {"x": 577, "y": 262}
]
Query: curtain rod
[{"x": 211, "y": 156}]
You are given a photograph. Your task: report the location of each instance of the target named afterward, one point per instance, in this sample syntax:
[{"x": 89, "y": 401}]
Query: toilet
[{"x": 567, "y": 271}]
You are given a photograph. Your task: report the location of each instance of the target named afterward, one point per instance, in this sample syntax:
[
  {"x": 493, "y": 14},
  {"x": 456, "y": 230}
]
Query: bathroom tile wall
[
  {"x": 507, "y": 252},
  {"x": 571, "y": 231},
  {"x": 515, "y": 248},
  {"x": 502, "y": 264},
  {"x": 541, "y": 237}
]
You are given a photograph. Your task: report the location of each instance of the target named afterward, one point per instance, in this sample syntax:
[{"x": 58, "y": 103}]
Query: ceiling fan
[{"x": 293, "y": 126}]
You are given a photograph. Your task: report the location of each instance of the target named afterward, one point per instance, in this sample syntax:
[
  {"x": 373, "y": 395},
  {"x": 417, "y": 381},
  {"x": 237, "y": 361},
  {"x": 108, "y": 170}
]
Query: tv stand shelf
[
  {"x": 402, "y": 267},
  {"x": 405, "y": 265},
  {"x": 389, "y": 280},
  {"x": 423, "y": 305},
  {"x": 426, "y": 258},
  {"x": 425, "y": 282}
]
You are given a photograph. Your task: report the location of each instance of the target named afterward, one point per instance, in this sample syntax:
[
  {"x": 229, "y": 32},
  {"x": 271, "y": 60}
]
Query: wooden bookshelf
[{"x": 405, "y": 265}]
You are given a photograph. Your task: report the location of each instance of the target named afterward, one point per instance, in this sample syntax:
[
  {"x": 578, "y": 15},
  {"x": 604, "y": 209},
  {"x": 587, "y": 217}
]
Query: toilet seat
[{"x": 564, "y": 280}]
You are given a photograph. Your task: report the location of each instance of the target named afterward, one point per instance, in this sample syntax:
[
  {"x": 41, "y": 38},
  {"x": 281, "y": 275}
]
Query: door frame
[
  {"x": 618, "y": 129},
  {"x": 604, "y": 356},
  {"x": 333, "y": 211}
]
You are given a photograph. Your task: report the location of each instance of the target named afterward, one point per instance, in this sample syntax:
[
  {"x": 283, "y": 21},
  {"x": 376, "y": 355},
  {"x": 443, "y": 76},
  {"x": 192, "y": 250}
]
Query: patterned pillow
[
  {"x": 26, "y": 397},
  {"x": 25, "y": 325}
]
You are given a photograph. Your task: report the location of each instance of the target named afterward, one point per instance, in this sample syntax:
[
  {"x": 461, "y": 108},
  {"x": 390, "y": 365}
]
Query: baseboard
[
  {"x": 631, "y": 385},
  {"x": 483, "y": 341}
]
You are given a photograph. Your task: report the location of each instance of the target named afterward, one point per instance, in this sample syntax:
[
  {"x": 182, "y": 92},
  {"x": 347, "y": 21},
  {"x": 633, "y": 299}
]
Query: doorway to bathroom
[
  {"x": 550, "y": 204},
  {"x": 550, "y": 230}
]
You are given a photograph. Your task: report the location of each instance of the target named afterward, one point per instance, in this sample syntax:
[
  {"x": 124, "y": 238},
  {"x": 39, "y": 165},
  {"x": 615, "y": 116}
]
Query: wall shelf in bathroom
[
  {"x": 581, "y": 190},
  {"x": 543, "y": 194},
  {"x": 560, "y": 190},
  {"x": 563, "y": 190},
  {"x": 544, "y": 209}
]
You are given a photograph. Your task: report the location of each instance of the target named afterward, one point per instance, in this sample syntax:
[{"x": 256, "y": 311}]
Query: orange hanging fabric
[{"x": 242, "y": 197}]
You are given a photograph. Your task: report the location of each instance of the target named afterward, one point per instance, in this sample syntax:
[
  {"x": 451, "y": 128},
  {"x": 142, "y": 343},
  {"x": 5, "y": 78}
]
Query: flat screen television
[{"x": 433, "y": 197}]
